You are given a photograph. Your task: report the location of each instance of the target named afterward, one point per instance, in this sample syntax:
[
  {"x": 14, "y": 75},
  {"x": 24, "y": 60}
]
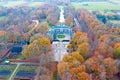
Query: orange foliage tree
[
  {"x": 41, "y": 45},
  {"x": 110, "y": 66},
  {"x": 83, "y": 76}
]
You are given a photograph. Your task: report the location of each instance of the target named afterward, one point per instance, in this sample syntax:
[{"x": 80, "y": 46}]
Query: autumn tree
[
  {"x": 46, "y": 67},
  {"x": 93, "y": 65},
  {"x": 110, "y": 66},
  {"x": 42, "y": 28},
  {"x": 3, "y": 38},
  {"x": 73, "y": 64},
  {"x": 79, "y": 38},
  {"x": 52, "y": 14},
  {"x": 36, "y": 36},
  {"x": 41, "y": 45},
  {"x": 117, "y": 50},
  {"x": 63, "y": 67},
  {"x": 69, "y": 20},
  {"x": 84, "y": 49},
  {"x": 75, "y": 56},
  {"x": 83, "y": 76},
  {"x": 76, "y": 70}
]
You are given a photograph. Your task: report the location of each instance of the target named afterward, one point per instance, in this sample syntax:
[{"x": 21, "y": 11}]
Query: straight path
[
  {"x": 60, "y": 50},
  {"x": 77, "y": 24},
  {"x": 11, "y": 77}
]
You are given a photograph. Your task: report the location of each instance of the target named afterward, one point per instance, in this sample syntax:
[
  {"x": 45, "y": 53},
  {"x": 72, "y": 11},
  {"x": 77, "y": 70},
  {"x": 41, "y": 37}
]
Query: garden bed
[
  {"x": 26, "y": 71},
  {"x": 6, "y": 70}
]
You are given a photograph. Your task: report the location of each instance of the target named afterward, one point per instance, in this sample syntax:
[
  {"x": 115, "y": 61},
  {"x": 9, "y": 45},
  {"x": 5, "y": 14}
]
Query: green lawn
[
  {"x": 116, "y": 23},
  {"x": 96, "y": 6},
  {"x": 11, "y": 4},
  {"x": 18, "y": 3},
  {"x": 34, "y": 4},
  {"x": 118, "y": 1},
  {"x": 61, "y": 7},
  {"x": 2, "y": 17}
]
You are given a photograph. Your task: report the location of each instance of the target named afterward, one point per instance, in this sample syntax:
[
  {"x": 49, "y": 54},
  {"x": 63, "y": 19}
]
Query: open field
[
  {"x": 96, "y": 6},
  {"x": 11, "y": 4},
  {"x": 116, "y": 23},
  {"x": 2, "y": 17},
  {"x": 20, "y": 3},
  {"x": 34, "y": 4},
  {"x": 117, "y": 1},
  {"x": 61, "y": 7}
]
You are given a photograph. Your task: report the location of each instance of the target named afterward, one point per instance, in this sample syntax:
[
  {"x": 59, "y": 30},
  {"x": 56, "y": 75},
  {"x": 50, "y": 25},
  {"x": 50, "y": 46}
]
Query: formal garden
[
  {"x": 26, "y": 71},
  {"x": 6, "y": 70}
]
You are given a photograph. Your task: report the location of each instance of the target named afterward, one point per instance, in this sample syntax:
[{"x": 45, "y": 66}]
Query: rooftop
[{"x": 61, "y": 26}]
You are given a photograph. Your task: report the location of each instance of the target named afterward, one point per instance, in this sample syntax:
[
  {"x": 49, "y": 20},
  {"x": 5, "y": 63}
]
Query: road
[
  {"x": 59, "y": 49},
  {"x": 12, "y": 76},
  {"x": 77, "y": 24},
  {"x": 62, "y": 19}
]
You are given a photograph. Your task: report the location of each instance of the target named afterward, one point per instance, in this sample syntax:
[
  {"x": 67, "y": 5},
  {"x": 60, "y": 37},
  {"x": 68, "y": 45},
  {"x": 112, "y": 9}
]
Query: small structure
[
  {"x": 15, "y": 51},
  {"x": 61, "y": 32}
]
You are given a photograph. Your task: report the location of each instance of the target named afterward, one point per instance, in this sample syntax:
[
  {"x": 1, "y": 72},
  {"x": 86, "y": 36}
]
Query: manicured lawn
[
  {"x": 2, "y": 17},
  {"x": 34, "y": 4},
  {"x": 11, "y": 4},
  {"x": 61, "y": 7},
  {"x": 116, "y": 23},
  {"x": 118, "y": 1},
  {"x": 18, "y": 3},
  {"x": 96, "y": 6}
]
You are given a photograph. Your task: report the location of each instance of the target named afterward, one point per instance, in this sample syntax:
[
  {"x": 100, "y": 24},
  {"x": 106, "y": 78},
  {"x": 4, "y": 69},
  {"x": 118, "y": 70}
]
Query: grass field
[
  {"x": 61, "y": 7},
  {"x": 2, "y": 17},
  {"x": 118, "y": 1},
  {"x": 11, "y": 4},
  {"x": 20, "y": 3},
  {"x": 34, "y": 4},
  {"x": 116, "y": 23},
  {"x": 96, "y": 6}
]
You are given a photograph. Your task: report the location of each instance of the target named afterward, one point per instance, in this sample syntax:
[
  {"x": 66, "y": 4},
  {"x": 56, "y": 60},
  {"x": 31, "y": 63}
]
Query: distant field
[
  {"x": 20, "y": 3},
  {"x": 96, "y": 6},
  {"x": 118, "y": 1},
  {"x": 34, "y": 4},
  {"x": 11, "y": 4},
  {"x": 115, "y": 21},
  {"x": 2, "y": 17},
  {"x": 61, "y": 7}
]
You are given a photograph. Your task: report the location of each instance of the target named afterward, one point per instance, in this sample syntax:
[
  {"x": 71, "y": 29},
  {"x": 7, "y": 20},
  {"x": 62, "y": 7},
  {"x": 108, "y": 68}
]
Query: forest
[{"x": 92, "y": 54}]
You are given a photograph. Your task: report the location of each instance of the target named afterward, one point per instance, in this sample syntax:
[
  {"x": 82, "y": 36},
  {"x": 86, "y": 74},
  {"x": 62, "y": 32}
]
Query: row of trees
[
  {"x": 40, "y": 49},
  {"x": 95, "y": 52},
  {"x": 69, "y": 18},
  {"x": 40, "y": 46}
]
